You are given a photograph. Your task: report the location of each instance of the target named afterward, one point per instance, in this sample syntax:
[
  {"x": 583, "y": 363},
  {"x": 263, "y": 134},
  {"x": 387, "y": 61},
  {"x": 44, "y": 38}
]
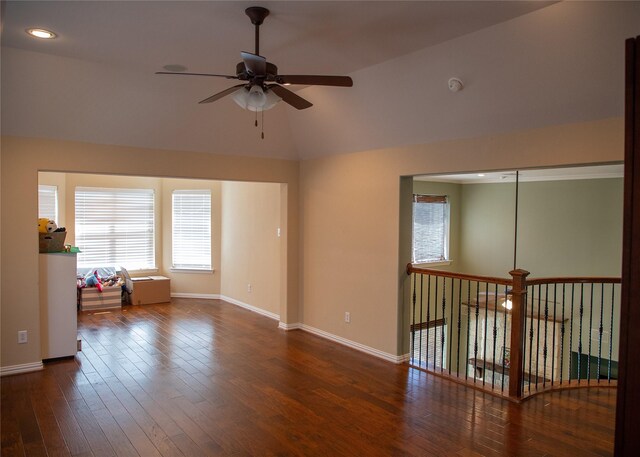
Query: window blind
[
  {"x": 115, "y": 227},
  {"x": 430, "y": 228},
  {"x": 191, "y": 229},
  {"x": 48, "y": 202}
]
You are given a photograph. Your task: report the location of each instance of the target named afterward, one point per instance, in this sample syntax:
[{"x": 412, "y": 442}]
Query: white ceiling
[
  {"x": 95, "y": 82},
  {"x": 318, "y": 37},
  {"x": 519, "y": 62}
]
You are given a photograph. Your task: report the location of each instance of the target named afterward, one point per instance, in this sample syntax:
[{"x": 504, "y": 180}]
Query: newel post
[{"x": 518, "y": 299}]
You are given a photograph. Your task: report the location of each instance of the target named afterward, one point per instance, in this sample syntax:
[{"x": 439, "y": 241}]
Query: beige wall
[
  {"x": 351, "y": 228},
  {"x": 251, "y": 245},
  {"x": 23, "y": 158}
]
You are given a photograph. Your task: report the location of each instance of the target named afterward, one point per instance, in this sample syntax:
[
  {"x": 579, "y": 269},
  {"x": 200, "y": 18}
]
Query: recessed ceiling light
[{"x": 41, "y": 33}]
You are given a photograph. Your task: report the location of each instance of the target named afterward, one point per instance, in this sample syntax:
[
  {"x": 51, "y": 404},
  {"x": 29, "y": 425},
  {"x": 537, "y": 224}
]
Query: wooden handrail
[
  {"x": 449, "y": 274},
  {"x": 573, "y": 280},
  {"x": 508, "y": 282}
]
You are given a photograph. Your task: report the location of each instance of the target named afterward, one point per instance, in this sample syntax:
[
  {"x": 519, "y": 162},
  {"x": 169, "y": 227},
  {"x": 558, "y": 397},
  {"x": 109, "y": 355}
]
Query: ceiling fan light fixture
[{"x": 255, "y": 99}]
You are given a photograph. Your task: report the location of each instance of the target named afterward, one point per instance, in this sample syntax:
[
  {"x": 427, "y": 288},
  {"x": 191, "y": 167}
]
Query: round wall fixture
[{"x": 455, "y": 85}]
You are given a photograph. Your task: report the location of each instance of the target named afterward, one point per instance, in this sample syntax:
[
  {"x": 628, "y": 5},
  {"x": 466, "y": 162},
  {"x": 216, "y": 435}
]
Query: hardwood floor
[{"x": 202, "y": 377}]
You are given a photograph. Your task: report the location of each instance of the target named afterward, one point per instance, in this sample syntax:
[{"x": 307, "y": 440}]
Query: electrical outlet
[
  {"x": 347, "y": 317},
  {"x": 249, "y": 288},
  {"x": 22, "y": 337}
]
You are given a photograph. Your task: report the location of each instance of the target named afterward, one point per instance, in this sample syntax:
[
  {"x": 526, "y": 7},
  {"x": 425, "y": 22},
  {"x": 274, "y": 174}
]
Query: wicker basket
[{"x": 52, "y": 242}]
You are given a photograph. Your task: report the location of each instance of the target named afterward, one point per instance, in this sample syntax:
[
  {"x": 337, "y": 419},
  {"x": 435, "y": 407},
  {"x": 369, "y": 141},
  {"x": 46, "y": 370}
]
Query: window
[
  {"x": 426, "y": 341},
  {"x": 430, "y": 228},
  {"x": 115, "y": 227},
  {"x": 48, "y": 202},
  {"x": 191, "y": 234}
]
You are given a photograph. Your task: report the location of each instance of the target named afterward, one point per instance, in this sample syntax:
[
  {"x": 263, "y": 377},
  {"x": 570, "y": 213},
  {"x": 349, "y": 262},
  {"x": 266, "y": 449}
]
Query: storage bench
[{"x": 91, "y": 299}]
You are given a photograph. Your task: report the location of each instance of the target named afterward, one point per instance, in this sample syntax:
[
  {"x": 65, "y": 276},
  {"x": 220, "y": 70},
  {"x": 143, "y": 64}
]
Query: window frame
[
  {"x": 432, "y": 199},
  {"x": 193, "y": 267},
  {"x": 118, "y": 236},
  {"x": 48, "y": 188}
]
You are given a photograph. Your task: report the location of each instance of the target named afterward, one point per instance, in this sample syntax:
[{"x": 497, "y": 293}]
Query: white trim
[
  {"x": 404, "y": 358},
  {"x": 437, "y": 263},
  {"x": 23, "y": 368},
  {"x": 189, "y": 295},
  {"x": 255, "y": 309},
  {"x": 191, "y": 270},
  {"x": 287, "y": 327},
  {"x": 352, "y": 344},
  {"x": 307, "y": 328}
]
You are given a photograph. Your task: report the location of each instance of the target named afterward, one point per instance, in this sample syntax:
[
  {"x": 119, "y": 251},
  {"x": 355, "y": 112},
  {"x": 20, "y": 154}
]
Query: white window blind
[
  {"x": 48, "y": 202},
  {"x": 430, "y": 228},
  {"x": 191, "y": 235},
  {"x": 427, "y": 344},
  {"x": 115, "y": 227}
]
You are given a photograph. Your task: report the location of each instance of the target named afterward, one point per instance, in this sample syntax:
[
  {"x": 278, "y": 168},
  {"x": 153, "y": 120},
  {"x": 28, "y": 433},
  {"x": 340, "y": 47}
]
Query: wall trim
[
  {"x": 189, "y": 295},
  {"x": 404, "y": 358},
  {"x": 255, "y": 309},
  {"x": 287, "y": 327},
  {"x": 307, "y": 328},
  {"x": 22, "y": 368},
  {"x": 354, "y": 345}
]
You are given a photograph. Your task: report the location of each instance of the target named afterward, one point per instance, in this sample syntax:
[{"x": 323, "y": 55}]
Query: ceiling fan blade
[
  {"x": 315, "y": 80},
  {"x": 290, "y": 97},
  {"x": 194, "y": 74},
  {"x": 224, "y": 93},
  {"x": 255, "y": 64}
]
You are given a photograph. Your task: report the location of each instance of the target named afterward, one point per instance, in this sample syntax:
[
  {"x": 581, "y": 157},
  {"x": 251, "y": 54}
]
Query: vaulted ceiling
[{"x": 524, "y": 65}]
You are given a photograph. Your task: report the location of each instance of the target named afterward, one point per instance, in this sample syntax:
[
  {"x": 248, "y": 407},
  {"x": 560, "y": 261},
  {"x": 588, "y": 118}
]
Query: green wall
[{"x": 565, "y": 228}]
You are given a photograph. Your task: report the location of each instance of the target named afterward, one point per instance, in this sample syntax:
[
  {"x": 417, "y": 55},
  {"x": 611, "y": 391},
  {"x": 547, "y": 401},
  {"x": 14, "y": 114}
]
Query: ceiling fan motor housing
[{"x": 244, "y": 75}]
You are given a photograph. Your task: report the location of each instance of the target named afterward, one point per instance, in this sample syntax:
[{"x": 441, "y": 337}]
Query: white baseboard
[
  {"x": 298, "y": 326},
  {"x": 284, "y": 326},
  {"x": 255, "y": 309},
  {"x": 23, "y": 368},
  {"x": 203, "y": 296},
  {"x": 404, "y": 358},
  {"x": 352, "y": 344}
]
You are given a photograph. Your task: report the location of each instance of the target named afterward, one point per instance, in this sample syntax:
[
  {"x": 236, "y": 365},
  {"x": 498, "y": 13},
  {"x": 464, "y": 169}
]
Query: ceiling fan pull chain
[
  {"x": 256, "y": 118},
  {"x": 262, "y": 133}
]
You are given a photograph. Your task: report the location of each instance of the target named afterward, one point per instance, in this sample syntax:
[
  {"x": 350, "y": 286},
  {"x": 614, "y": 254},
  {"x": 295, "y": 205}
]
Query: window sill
[
  {"x": 190, "y": 271},
  {"x": 440, "y": 263},
  {"x": 141, "y": 272}
]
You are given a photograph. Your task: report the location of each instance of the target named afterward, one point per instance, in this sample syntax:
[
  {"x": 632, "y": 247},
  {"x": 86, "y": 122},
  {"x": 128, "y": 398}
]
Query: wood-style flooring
[{"x": 203, "y": 377}]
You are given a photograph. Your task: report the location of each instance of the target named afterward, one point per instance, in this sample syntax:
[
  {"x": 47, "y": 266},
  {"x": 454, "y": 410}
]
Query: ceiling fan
[{"x": 263, "y": 86}]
